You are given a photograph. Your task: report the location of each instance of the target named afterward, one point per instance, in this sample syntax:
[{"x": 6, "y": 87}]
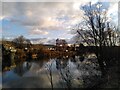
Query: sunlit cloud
[
  {"x": 112, "y": 12},
  {"x": 2, "y": 17},
  {"x": 38, "y": 32},
  {"x": 44, "y": 15},
  {"x": 29, "y": 13}
]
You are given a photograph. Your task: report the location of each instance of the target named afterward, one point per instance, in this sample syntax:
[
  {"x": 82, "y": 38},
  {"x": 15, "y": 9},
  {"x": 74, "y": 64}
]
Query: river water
[{"x": 62, "y": 72}]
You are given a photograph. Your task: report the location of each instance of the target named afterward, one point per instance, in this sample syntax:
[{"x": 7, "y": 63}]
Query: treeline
[
  {"x": 13, "y": 53},
  {"x": 107, "y": 50}
]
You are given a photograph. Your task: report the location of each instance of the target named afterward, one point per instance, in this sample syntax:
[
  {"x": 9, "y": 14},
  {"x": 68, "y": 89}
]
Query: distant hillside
[
  {"x": 46, "y": 41},
  {"x": 42, "y": 41}
]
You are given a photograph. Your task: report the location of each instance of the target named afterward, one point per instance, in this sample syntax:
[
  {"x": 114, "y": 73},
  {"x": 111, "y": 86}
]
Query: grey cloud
[{"x": 36, "y": 13}]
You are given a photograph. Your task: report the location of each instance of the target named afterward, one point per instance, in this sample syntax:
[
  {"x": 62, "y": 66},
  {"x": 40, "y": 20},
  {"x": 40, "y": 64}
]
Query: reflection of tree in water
[
  {"x": 89, "y": 71},
  {"x": 64, "y": 71},
  {"x": 72, "y": 72},
  {"x": 73, "y": 58},
  {"x": 77, "y": 58},
  {"x": 22, "y": 68},
  {"x": 81, "y": 58},
  {"x": 61, "y": 63},
  {"x": 84, "y": 72},
  {"x": 40, "y": 62},
  {"x": 50, "y": 73}
]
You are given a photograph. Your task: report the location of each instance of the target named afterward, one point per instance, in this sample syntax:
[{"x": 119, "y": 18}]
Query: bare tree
[
  {"x": 96, "y": 30},
  {"x": 21, "y": 40}
]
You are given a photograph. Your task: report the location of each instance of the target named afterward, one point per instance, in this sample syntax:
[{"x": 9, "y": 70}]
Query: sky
[{"x": 49, "y": 20}]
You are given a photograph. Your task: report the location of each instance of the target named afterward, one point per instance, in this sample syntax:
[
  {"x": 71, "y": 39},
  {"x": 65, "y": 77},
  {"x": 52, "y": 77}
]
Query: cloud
[
  {"x": 112, "y": 12},
  {"x": 0, "y": 30},
  {"x": 56, "y": 0},
  {"x": 2, "y": 17},
  {"x": 38, "y": 32},
  {"x": 45, "y": 15},
  {"x": 39, "y": 40}
]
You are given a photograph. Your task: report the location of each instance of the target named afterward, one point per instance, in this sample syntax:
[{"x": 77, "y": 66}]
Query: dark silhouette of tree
[
  {"x": 21, "y": 41},
  {"x": 5, "y": 57},
  {"x": 96, "y": 30}
]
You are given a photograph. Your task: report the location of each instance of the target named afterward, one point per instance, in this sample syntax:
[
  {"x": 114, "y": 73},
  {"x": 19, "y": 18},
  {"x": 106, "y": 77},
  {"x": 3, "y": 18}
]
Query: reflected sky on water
[{"x": 65, "y": 72}]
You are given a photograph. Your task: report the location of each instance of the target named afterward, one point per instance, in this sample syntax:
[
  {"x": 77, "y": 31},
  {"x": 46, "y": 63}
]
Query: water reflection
[
  {"x": 22, "y": 68},
  {"x": 61, "y": 63},
  {"x": 61, "y": 72}
]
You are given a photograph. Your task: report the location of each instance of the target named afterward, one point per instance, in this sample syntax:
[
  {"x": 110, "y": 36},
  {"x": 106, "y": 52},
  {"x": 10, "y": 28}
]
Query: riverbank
[
  {"x": 11, "y": 59},
  {"x": 111, "y": 79}
]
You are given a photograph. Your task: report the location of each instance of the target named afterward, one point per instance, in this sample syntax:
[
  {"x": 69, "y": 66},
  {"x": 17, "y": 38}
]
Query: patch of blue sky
[{"x": 14, "y": 29}]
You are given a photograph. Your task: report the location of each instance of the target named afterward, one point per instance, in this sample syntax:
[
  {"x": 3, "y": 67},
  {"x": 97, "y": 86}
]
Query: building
[{"x": 61, "y": 45}]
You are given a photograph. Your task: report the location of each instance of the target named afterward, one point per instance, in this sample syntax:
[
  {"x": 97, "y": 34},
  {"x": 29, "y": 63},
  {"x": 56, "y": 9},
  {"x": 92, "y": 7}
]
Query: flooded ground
[{"x": 63, "y": 72}]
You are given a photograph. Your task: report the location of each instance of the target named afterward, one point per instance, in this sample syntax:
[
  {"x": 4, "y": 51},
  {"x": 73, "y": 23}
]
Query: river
[{"x": 62, "y": 72}]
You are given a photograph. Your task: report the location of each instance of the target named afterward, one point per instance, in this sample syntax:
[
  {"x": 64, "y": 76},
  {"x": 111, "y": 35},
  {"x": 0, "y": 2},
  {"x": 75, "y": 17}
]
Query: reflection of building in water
[
  {"x": 61, "y": 44},
  {"x": 61, "y": 63},
  {"x": 22, "y": 68}
]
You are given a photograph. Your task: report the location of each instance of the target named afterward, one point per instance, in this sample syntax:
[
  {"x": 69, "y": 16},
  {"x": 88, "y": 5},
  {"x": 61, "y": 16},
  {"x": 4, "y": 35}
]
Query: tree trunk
[{"x": 100, "y": 60}]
